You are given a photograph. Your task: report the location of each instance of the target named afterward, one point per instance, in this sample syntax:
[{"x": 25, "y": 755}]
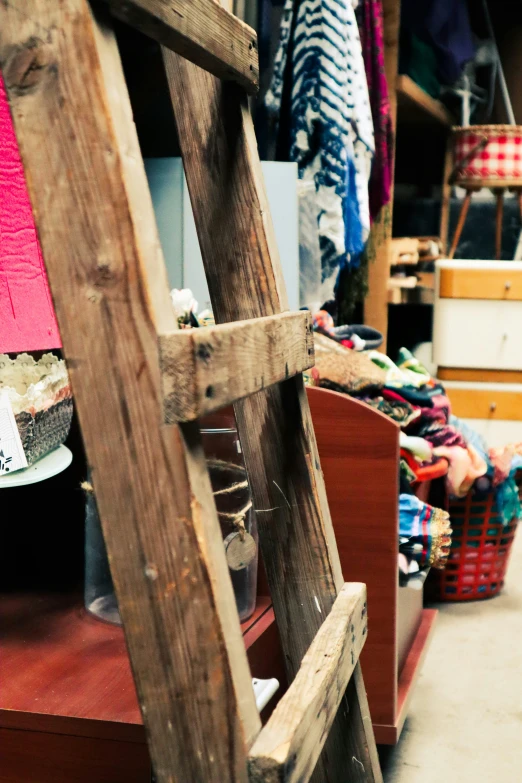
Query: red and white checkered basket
[{"x": 488, "y": 156}]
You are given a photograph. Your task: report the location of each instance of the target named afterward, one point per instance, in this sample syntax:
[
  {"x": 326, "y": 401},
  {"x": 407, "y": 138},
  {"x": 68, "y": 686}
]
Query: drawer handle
[
  {"x": 492, "y": 407},
  {"x": 507, "y": 285}
]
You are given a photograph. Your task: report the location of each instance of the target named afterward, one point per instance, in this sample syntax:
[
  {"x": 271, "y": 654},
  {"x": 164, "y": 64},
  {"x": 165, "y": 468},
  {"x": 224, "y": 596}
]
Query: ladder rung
[
  {"x": 202, "y": 31},
  {"x": 289, "y": 745},
  {"x": 205, "y": 369}
]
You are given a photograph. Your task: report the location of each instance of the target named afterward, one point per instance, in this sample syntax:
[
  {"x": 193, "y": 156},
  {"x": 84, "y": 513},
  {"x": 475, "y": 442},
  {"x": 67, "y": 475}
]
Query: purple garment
[
  {"x": 370, "y": 21},
  {"x": 440, "y": 434},
  {"x": 445, "y": 25}
]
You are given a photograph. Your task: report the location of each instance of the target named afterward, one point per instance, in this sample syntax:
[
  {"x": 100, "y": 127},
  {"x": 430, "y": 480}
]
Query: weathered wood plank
[
  {"x": 94, "y": 216},
  {"x": 238, "y": 246},
  {"x": 287, "y": 749},
  {"x": 202, "y": 31},
  {"x": 205, "y": 369}
]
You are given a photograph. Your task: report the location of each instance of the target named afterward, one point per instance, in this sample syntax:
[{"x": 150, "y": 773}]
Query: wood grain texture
[
  {"x": 96, "y": 226},
  {"x": 446, "y": 193},
  {"x": 481, "y": 284},
  {"x": 483, "y": 376},
  {"x": 464, "y": 209},
  {"x": 38, "y": 757},
  {"x": 363, "y": 755},
  {"x": 202, "y": 31},
  {"x": 481, "y": 404},
  {"x": 415, "y": 105},
  {"x": 237, "y": 244},
  {"x": 359, "y": 450},
  {"x": 409, "y": 615},
  {"x": 389, "y": 734},
  {"x": 289, "y": 745},
  {"x": 65, "y": 672},
  {"x": 205, "y": 369}
]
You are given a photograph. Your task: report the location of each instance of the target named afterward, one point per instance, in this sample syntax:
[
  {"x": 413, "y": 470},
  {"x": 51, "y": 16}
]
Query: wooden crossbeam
[
  {"x": 96, "y": 225},
  {"x": 287, "y": 749},
  {"x": 205, "y": 369},
  {"x": 200, "y": 30},
  {"x": 237, "y": 243}
]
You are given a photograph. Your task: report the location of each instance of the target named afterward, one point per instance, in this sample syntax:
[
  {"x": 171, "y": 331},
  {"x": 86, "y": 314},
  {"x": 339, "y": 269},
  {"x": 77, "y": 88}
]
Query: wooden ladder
[{"x": 140, "y": 385}]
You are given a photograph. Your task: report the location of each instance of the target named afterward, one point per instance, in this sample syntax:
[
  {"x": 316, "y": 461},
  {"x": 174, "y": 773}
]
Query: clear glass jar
[
  {"x": 236, "y": 518},
  {"x": 235, "y": 513},
  {"x": 100, "y": 599}
]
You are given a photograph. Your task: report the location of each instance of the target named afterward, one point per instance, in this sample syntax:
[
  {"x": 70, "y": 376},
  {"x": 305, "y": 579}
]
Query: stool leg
[
  {"x": 460, "y": 225},
  {"x": 519, "y": 198},
  {"x": 498, "y": 223}
]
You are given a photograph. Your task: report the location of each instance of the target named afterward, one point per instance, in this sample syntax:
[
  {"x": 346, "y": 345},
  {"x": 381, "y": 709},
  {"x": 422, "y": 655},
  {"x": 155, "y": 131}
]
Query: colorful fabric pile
[
  {"x": 406, "y": 393},
  {"x": 424, "y": 539}
]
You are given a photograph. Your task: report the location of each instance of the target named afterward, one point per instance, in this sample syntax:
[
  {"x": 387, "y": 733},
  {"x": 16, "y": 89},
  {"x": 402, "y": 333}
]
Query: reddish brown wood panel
[
  {"x": 63, "y": 671},
  {"x": 389, "y": 734},
  {"x": 37, "y": 757},
  {"x": 359, "y": 450},
  {"x": 60, "y": 662}
]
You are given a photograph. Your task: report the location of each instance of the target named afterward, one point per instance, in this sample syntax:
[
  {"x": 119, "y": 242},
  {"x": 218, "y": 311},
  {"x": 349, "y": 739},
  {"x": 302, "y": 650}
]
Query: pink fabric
[
  {"x": 27, "y": 320},
  {"x": 501, "y": 458},
  {"x": 371, "y": 30},
  {"x": 465, "y": 466}
]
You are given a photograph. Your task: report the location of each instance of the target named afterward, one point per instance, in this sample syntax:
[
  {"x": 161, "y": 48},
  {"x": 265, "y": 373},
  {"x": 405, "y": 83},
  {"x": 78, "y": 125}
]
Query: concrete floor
[{"x": 465, "y": 720}]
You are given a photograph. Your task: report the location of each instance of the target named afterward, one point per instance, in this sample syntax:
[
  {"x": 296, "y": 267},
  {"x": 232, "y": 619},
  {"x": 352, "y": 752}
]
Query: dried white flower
[{"x": 183, "y": 302}]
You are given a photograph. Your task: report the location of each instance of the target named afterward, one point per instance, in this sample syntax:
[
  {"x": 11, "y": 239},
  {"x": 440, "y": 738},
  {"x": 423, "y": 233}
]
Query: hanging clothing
[
  {"x": 319, "y": 72},
  {"x": 371, "y": 30},
  {"x": 444, "y": 25}
]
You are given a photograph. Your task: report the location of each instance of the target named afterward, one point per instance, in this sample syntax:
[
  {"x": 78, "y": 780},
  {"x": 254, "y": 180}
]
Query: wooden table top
[{"x": 68, "y": 672}]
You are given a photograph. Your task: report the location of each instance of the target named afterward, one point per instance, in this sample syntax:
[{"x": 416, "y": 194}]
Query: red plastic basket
[{"x": 480, "y": 550}]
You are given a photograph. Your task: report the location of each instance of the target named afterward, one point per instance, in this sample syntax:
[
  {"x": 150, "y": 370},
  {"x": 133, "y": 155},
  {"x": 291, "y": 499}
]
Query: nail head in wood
[
  {"x": 202, "y": 31},
  {"x": 207, "y": 368}
]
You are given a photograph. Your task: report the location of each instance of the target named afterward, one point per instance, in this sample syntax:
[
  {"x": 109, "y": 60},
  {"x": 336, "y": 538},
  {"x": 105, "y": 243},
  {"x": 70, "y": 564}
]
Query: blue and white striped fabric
[{"x": 331, "y": 124}]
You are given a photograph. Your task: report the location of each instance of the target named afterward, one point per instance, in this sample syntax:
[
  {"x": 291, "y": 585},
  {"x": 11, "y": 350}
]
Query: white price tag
[{"x": 12, "y": 456}]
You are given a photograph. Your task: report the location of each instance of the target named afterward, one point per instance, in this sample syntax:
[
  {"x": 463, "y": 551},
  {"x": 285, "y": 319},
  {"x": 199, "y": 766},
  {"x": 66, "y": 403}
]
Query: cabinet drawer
[
  {"x": 469, "y": 333},
  {"x": 489, "y": 404},
  {"x": 462, "y": 283}
]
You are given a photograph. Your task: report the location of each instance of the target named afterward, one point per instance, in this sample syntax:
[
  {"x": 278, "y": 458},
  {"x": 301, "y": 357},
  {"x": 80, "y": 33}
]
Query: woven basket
[
  {"x": 41, "y": 398},
  {"x": 488, "y": 156},
  {"x": 480, "y": 550}
]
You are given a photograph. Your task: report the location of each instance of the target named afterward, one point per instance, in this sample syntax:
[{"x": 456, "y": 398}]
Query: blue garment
[
  {"x": 507, "y": 500},
  {"x": 474, "y": 438},
  {"x": 330, "y": 125},
  {"x": 424, "y": 532}
]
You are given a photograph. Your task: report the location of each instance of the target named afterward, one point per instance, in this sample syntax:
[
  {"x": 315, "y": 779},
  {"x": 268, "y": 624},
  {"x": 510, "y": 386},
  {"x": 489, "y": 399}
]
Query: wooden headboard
[{"x": 359, "y": 451}]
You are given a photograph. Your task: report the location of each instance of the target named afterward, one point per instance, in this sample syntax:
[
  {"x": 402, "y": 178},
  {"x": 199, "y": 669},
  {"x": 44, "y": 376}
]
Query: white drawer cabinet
[
  {"x": 477, "y": 344},
  {"x": 474, "y": 333},
  {"x": 478, "y": 315}
]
